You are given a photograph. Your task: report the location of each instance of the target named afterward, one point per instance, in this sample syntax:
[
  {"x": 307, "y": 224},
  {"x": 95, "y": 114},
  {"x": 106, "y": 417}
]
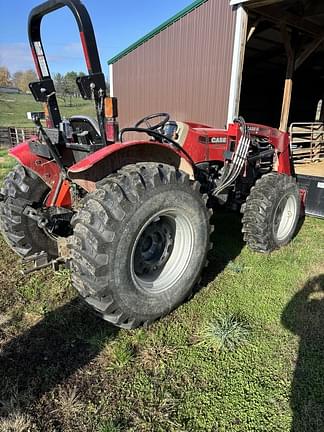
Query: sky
[{"x": 117, "y": 25}]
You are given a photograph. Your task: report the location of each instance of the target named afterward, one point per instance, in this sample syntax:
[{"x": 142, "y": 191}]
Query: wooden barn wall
[{"x": 184, "y": 70}]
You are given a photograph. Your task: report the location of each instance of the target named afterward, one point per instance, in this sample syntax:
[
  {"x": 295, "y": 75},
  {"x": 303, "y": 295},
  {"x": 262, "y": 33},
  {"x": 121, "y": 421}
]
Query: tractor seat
[{"x": 82, "y": 123}]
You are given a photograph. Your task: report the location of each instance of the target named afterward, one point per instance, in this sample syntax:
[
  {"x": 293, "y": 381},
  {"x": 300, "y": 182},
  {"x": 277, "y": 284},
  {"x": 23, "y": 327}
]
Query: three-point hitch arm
[{"x": 91, "y": 86}]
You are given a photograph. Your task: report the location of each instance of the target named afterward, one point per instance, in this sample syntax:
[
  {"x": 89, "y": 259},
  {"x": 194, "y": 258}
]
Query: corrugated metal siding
[{"x": 184, "y": 70}]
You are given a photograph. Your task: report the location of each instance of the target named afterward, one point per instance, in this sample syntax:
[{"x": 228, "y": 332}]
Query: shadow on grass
[
  {"x": 49, "y": 353},
  {"x": 227, "y": 243},
  {"x": 68, "y": 338},
  {"x": 304, "y": 316}
]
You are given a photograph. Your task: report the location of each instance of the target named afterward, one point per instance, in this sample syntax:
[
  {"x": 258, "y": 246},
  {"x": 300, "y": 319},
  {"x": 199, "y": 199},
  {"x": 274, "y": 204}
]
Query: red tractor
[{"x": 131, "y": 218}]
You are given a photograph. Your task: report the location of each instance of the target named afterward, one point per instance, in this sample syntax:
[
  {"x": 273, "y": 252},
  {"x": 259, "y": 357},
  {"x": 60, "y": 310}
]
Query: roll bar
[
  {"x": 91, "y": 85},
  {"x": 87, "y": 35}
]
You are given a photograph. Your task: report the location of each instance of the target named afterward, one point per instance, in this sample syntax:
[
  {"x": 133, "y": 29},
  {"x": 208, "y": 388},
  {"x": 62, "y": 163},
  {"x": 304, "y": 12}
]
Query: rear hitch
[{"x": 39, "y": 261}]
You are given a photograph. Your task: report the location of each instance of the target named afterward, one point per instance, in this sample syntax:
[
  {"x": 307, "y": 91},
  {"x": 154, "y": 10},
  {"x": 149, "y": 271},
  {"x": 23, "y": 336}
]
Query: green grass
[
  {"x": 61, "y": 368},
  {"x": 227, "y": 332},
  {"x": 13, "y": 109},
  {"x": 6, "y": 163}
]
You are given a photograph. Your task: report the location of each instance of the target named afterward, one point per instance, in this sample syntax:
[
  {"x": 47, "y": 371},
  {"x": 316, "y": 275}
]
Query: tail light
[
  {"x": 111, "y": 123},
  {"x": 112, "y": 130}
]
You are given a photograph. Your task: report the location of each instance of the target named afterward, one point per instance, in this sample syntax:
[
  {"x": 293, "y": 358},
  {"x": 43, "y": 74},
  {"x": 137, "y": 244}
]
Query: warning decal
[{"x": 41, "y": 58}]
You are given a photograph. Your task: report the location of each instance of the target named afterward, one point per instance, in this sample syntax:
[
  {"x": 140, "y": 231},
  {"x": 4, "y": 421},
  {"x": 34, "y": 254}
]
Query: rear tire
[
  {"x": 271, "y": 212},
  {"x": 22, "y": 187},
  {"x": 140, "y": 243}
]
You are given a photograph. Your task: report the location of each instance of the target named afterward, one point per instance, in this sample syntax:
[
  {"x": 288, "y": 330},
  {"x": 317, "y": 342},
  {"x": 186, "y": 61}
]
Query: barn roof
[
  {"x": 311, "y": 20},
  {"x": 157, "y": 30}
]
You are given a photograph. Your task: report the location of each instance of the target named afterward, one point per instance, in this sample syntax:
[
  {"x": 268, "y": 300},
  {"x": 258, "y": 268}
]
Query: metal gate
[
  {"x": 11, "y": 136},
  {"x": 307, "y": 142}
]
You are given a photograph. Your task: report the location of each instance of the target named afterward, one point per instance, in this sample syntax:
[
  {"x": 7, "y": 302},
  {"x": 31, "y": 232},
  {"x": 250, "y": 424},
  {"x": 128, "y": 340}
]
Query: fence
[{"x": 10, "y": 136}]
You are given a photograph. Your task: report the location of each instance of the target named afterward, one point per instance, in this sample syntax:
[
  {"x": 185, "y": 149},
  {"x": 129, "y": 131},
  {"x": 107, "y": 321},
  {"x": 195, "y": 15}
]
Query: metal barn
[
  {"x": 179, "y": 67},
  {"x": 263, "y": 59}
]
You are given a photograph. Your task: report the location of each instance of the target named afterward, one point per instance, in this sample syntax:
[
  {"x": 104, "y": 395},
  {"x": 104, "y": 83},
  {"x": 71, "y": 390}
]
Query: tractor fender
[
  {"x": 47, "y": 170},
  {"x": 109, "y": 159}
]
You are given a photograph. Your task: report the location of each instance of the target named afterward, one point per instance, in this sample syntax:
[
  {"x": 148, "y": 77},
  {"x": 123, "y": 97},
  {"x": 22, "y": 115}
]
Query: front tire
[
  {"x": 271, "y": 212},
  {"x": 140, "y": 243}
]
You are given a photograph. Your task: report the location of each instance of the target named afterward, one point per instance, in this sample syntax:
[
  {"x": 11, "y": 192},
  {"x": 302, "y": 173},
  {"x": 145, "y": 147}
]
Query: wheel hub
[
  {"x": 154, "y": 247},
  {"x": 284, "y": 217},
  {"x": 162, "y": 251}
]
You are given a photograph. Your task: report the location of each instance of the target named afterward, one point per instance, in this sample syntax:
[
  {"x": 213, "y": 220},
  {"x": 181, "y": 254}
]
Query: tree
[
  {"x": 70, "y": 86},
  {"x": 17, "y": 78},
  {"x": 21, "y": 79},
  {"x": 59, "y": 83},
  {"x": 28, "y": 77},
  {"x": 5, "y": 78}
]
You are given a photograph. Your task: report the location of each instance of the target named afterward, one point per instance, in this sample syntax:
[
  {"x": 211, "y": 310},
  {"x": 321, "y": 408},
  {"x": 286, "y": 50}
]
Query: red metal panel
[
  {"x": 105, "y": 152},
  {"x": 184, "y": 70},
  {"x": 47, "y": 170}
]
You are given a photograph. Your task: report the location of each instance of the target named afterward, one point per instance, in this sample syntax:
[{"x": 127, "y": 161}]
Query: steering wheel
[{"x": 146, "y": 121}]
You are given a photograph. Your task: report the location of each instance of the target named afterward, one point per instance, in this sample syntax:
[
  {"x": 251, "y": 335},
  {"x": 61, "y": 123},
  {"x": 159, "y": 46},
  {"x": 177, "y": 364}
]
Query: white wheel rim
[
  {"x": 285, "y": 217},
  {"x": 169, "y": 267}
]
